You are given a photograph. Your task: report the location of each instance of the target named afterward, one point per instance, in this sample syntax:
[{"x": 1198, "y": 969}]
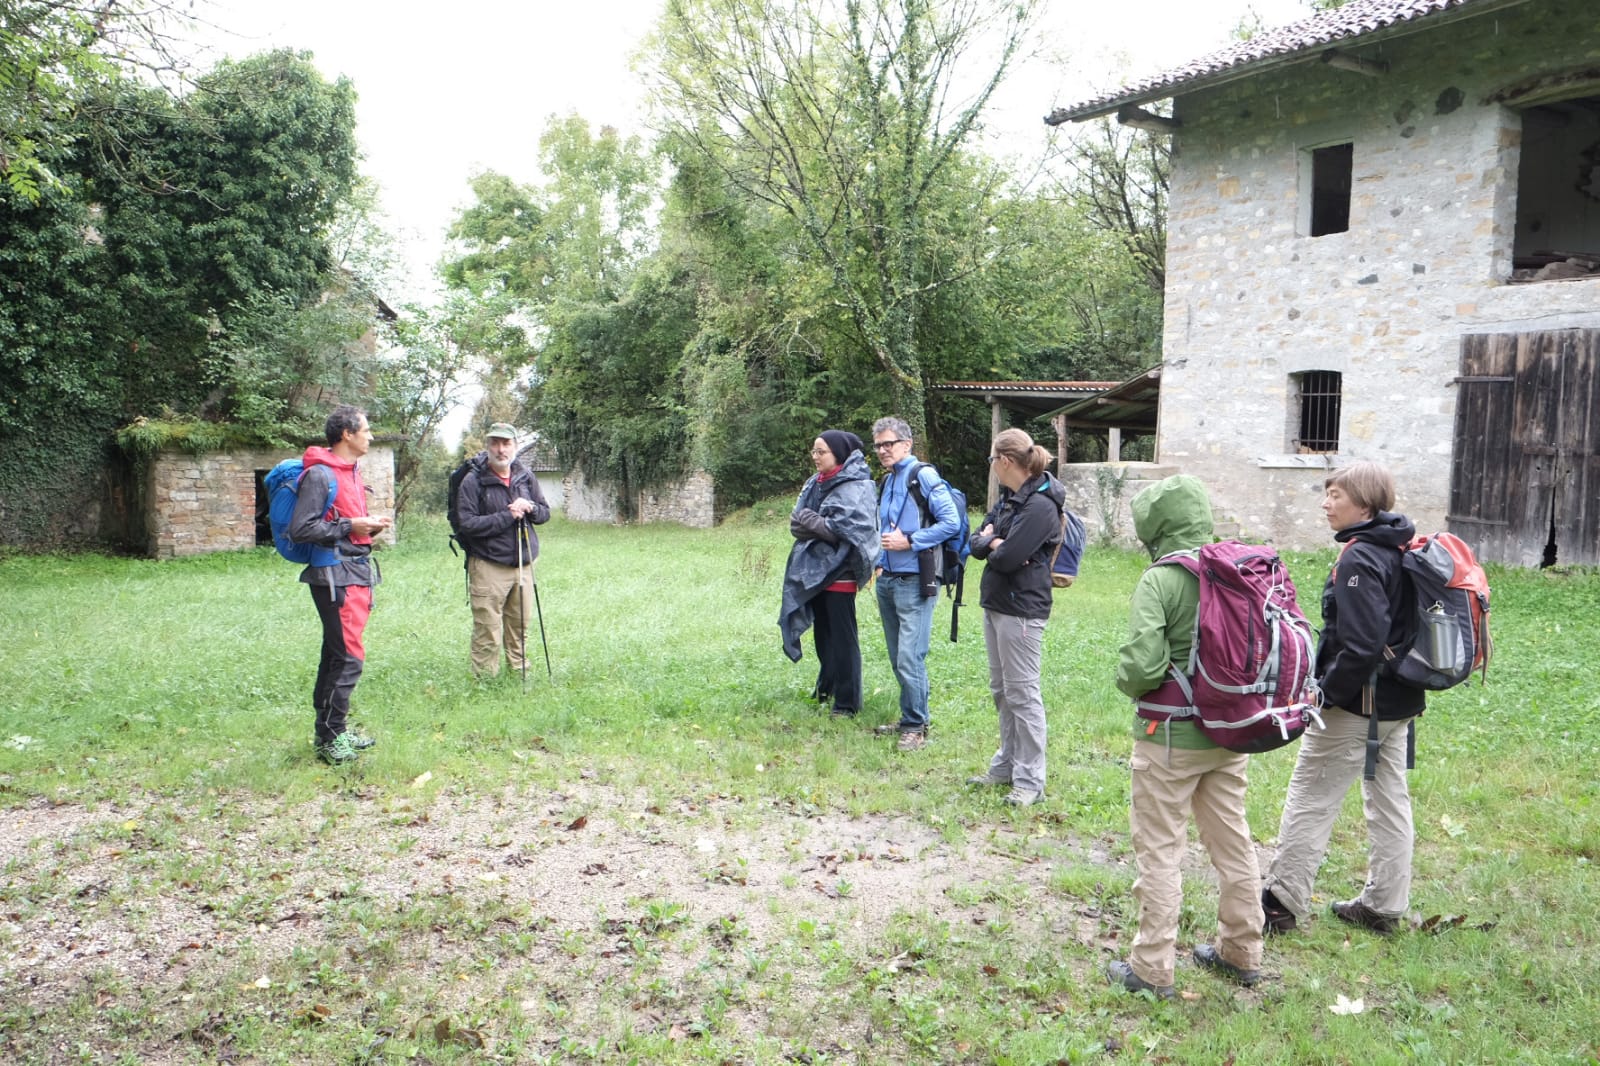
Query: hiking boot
[
  {"x": 1023, "y": 797},
  {"x": 1208, "y": 958},
  {"x": 890, "y": 730},
  {"x": 1120, "y": 973},
  {"x": 840, "y": 712},
  {"x": 912, "y": 740},
  {"x": 1357, "y": 913},
  {"x": 338, "y": 751},
  {"x": 987, "y": 778},
  {"x": 1279, "y": 919},
  {"x": 360, "y": 741}
]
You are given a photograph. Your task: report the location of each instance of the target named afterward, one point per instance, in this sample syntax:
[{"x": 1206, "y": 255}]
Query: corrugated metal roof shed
[
  {"x": 1030, "y": 397},
  {"x": 1130, "y": 405}
]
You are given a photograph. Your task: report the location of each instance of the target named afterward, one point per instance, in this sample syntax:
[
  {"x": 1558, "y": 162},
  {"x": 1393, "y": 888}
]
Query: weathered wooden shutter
[
  {"x": 1577, "y": 441},
  {"x": 1526, "y": 457}
]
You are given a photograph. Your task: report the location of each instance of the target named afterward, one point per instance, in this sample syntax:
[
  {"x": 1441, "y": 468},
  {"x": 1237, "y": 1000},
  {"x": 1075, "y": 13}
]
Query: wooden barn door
[{"x": 1525, "y": 472}]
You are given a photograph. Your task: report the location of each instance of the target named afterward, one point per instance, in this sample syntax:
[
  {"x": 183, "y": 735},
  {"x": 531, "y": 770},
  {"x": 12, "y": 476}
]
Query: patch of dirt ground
[{"x": 169, "y": 899}]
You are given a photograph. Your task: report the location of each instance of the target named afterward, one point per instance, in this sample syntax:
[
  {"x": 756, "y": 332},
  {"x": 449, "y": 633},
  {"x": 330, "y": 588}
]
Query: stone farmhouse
[{"x": 1384, "y": 243}]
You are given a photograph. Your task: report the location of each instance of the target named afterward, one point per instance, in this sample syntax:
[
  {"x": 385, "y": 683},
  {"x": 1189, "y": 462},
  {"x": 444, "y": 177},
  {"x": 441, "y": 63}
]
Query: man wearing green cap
[{"x": 499, "y": 503}]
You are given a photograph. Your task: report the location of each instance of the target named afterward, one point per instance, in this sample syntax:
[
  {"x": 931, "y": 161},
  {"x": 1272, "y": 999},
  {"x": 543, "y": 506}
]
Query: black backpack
[{"x": 475, "y": 464}]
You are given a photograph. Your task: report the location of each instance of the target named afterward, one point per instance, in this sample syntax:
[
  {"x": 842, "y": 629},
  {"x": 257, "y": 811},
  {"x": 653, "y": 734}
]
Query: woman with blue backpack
[{"x": 1017, "y": 541}]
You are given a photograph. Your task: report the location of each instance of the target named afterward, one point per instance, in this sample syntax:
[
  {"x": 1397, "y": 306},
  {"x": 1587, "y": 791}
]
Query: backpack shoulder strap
[
  {"x": 1066, "y": 519},
  {"x": 333, "y": 484},
  {"x": 1189, "y": 559},
  {"x": 918, "y": 493}
]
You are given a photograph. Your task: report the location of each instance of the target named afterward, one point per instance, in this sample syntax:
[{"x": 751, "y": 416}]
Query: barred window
[{"x": 1317, "y": 395}]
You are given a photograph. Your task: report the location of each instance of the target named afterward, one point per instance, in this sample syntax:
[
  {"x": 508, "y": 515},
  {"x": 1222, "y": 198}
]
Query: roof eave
[{"x": 1257, "y": 66}]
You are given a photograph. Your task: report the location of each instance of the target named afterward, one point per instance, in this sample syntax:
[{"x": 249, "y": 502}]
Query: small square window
[
  {"x": 1329, "y": 189},
  {"x": 1316, "y": 397}
]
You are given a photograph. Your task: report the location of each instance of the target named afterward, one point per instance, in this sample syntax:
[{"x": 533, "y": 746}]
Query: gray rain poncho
[{"x": 848, "y": 501}]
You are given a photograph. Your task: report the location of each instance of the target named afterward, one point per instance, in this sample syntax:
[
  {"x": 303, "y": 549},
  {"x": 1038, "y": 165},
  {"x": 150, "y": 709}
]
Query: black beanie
[{"x": 841, "y": 443}]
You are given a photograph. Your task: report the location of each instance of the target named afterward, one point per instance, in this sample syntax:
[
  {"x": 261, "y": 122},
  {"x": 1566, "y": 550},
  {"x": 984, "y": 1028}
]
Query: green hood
[{"x": 1172, "y": 515}]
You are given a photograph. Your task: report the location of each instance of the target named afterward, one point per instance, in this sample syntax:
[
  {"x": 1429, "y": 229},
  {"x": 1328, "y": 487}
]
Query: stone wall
[
  {"x": 1250, "y": 301},
  {"x": 689, "y": 502},
  {"x": 194, "y": 504}
]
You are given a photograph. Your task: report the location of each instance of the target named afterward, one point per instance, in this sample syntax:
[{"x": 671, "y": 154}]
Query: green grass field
[{"x": 665, "y": 853}]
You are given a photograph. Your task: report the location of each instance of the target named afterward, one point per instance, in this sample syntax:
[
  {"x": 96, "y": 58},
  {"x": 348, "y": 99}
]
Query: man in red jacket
[{"x": 342, "y": 592}]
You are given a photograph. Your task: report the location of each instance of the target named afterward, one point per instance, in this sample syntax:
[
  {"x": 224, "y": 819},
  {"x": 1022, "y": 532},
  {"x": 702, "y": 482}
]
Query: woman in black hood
[
  {"x": 1363, "y": 612},
  {"x": 835, "y": 526}
]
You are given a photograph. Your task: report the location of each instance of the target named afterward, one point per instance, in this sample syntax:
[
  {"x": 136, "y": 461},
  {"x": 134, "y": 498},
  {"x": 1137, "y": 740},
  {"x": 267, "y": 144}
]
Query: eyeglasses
[
  {"x": 880, "y": 445},
  {"x": 994, "y": 458},
  {"x": 820, "y": 451}
]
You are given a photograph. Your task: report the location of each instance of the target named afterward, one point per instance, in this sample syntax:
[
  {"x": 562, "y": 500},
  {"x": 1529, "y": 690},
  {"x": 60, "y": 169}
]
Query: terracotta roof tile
[{"x": 1354, "y": 20}]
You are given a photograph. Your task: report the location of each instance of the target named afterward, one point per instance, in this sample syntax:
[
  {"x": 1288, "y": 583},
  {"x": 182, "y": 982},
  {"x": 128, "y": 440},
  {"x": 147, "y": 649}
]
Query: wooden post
[
  {"x": 1113, "y": 445},
  {"x": 997, "y": 422}
]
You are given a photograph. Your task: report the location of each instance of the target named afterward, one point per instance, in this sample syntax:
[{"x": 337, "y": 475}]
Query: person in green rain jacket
[{"x": 1176, "y": 770}]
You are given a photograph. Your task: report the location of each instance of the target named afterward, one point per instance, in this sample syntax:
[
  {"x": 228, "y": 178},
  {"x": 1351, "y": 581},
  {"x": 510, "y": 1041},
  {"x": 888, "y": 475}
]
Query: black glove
[{"x": 806, "y": 524}]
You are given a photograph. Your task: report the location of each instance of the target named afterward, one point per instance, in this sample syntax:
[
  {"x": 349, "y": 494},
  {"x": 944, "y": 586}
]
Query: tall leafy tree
[
  {"x": 54, "y": 55},
  {"x": 1119, "y": 179},
  {"x": 607, "y": 338},
  {"x": 573, "y": 239},
  {"x": 848, "y": 118},
  {"x": 420, "y": 379}
]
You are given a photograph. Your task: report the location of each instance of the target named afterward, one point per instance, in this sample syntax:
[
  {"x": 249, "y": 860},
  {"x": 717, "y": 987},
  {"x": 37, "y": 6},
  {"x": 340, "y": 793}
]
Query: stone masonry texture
[{"x": 1250, "y": 301}]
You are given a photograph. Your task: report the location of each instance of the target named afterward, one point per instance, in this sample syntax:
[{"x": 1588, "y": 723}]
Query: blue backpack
[
  {"x": 283, "y": 491},
  {"x": 1069, "y": 553}
]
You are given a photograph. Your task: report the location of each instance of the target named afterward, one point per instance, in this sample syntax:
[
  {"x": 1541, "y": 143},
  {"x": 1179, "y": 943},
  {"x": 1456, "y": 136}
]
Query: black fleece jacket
[
  {"x": 1363, "y": 609},
  {"x": 488, "y": 528},
  {"x": 1016, "y": 575}
]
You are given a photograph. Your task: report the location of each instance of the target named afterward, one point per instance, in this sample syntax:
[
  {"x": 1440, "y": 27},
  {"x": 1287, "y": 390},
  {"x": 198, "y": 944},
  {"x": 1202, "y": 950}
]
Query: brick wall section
[
  {"x": 194, "y": 504},
  {"x": 1250, "y": 302},
  {"x": 689, "y": 502}
]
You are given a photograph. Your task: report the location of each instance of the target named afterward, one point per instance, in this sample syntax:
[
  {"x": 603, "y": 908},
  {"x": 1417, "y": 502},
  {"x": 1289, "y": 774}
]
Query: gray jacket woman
[{"x": 835, "y": 526}]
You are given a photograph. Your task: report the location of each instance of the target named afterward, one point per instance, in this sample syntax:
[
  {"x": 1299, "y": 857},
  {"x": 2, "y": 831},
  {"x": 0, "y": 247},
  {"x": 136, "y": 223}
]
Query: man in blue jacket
[{"x": 908, "y": 586}]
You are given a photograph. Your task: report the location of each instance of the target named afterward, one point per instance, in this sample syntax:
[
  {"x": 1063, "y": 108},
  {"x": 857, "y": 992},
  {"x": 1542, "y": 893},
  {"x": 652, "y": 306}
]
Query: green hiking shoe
[
  {"x": 360, "y": 741},
  {"x": 339, "y": 751}
]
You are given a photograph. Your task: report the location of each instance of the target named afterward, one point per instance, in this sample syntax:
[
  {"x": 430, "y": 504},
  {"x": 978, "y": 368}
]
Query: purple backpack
[{"x": 1249, "y": 683}]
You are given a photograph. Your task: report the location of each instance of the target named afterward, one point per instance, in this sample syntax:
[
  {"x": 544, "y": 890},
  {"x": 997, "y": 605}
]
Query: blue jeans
[{"x": 907, "y": 626}]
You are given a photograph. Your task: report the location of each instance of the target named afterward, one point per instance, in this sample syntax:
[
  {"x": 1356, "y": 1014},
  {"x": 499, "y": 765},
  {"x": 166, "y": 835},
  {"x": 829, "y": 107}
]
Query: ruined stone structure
[
  {"x": 691, "y": 501},
  {"x": 194, "y": 504},
  {"x": 1351, "y": 199}
]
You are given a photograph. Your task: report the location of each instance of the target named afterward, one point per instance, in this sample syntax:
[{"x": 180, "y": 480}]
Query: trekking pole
[
  {"x": 522, "y": 601},
  {"x": 546, "y": 643}
]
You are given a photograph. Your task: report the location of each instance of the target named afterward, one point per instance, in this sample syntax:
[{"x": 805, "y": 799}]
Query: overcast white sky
[{"x": 451, "y": 89}]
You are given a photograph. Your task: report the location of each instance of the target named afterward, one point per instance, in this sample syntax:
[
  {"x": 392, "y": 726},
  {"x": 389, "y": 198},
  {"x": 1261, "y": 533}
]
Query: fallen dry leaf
[
  {"x": 422, "y": 779},
  {"x": 1341, "y": 1005},
  {"x": 579, "y": 822}
]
